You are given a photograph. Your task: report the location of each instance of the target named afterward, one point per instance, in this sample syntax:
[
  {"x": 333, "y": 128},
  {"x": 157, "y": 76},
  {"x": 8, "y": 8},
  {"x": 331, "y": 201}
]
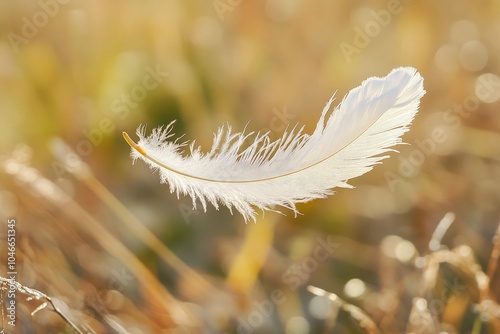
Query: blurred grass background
[{"x": 75, "y": 74}]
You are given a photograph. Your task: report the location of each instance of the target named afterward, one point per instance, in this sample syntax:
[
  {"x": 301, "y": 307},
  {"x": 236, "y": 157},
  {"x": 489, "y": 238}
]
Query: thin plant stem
[
  {"x": 478, "y": 323},
  {"x": 495, "y": 254},
  {"x": 35, "y": 294}
]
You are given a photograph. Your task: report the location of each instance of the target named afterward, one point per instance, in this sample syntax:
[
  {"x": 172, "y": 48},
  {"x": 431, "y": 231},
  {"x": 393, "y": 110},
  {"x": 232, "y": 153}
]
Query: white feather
[{"x": 298, "y": 167}]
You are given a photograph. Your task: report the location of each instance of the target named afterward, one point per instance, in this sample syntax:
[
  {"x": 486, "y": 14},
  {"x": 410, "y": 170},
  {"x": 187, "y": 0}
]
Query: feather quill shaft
[{"x": 297, "y": 167}]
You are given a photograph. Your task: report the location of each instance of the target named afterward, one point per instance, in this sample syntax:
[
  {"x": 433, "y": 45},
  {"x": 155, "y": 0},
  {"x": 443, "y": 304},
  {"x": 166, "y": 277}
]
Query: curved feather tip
[{"x": 297, "y": 167}]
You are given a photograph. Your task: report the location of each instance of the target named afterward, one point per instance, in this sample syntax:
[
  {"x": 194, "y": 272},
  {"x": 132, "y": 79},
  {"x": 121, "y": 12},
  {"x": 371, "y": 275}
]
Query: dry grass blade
[
  {"x": 421, "y": 319},
  {"x": 356, "y": 313},
  {"x": 252, "y": 255},
  {"x": 155, "y": 292},
  {"x": 495, "y": 255},
  {"x": 37, "y": 295},
  {"x": 462, "y": 260},
  {"x": 440, "y": 230}
]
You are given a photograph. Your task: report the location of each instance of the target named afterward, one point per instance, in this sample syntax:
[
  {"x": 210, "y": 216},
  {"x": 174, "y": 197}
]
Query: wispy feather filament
[{"x": 297, "y": 167}]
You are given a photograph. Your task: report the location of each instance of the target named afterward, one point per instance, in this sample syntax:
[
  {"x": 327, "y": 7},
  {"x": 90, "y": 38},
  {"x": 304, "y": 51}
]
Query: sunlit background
[{"x": 409, "y": 249}]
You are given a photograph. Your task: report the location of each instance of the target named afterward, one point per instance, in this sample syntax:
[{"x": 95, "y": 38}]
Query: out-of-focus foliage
[{"x": 75, "y": 74}]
